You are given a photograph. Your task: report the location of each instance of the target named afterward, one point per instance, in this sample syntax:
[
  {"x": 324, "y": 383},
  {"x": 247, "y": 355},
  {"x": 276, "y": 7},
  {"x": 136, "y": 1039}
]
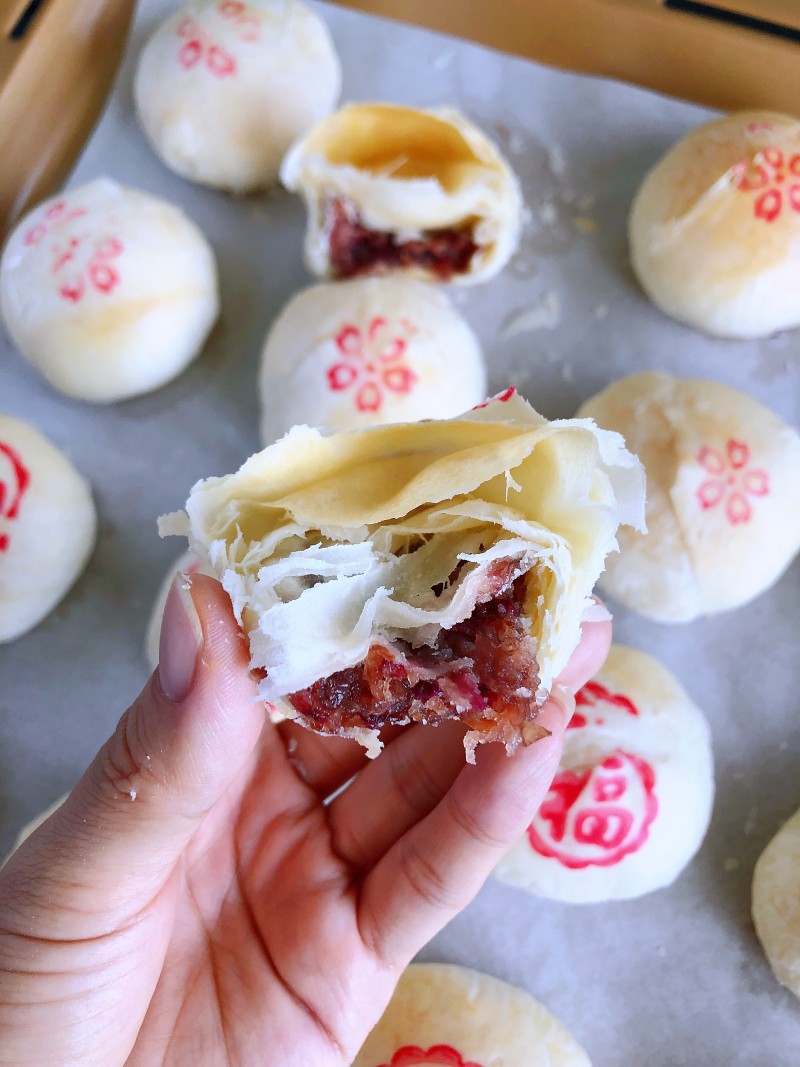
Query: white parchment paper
[{"x": 675, "y": 978}]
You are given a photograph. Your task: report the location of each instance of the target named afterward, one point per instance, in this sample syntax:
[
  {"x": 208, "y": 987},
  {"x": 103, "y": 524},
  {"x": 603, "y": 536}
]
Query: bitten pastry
[
  {"x": 715, "y": 227},
  {"x": 223, "y": 88},
  {"x": 723, "y": 495},
  {"x": 108, "y": 292},
  {"x": 393, "y": 188},
  {"x": 776, "y": 903},
  {"x": 455, "y": 1017},
  {"x": 47, "y": 527},
  {"x": 631, "y": 801},
  {"x": 366, "y": 352},
  {"x": 421, "y": 571},
  {"x": 188, "y": 564}
]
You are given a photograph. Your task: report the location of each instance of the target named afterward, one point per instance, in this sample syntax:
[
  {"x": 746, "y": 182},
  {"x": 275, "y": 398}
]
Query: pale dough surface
[
  {"x": 723, "y": 495},
  {"x": 365, "y": 352},
  {"x": 223, "y": 88},
  {"x": 632, "y": 799},
  {"x": 462, "y": 1018},
  {"x": 776, "y": 903},
  {"x": 107, "y": 291},
  {"x": 715, "y": 227},
  {"x": 406, "y": 171},
  {"x": 47, "y": 526}
]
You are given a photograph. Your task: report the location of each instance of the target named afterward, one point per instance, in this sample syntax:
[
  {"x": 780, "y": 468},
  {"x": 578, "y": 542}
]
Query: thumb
[{"x": 113, "y": 844}]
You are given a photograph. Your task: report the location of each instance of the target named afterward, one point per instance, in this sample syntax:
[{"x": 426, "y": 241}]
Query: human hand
[{"x": 194, "y": 901}]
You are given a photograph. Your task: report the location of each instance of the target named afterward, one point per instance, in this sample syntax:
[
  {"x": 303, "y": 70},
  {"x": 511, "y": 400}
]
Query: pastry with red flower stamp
[
  {"x": 446, "y": 1016},
  {"x": 47, "y": 527},
  {"x": 366, "y": 352},
  {"x": 107, "y": 291},
  {"x": 417, "y": 571},
  {"x": 224, "y": 87},
  {"x": 632, "y": 798},
  {"x": 723, "y": 496},
  {"x": 715, "y": 227},
  {"x": 392, "y": 188},
  {"x": 776, "y": 903}
]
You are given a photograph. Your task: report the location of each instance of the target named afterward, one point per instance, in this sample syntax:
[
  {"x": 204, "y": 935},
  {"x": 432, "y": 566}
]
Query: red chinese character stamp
[
  {"x": 775, "y": 177},
  {"x": 371, "y": 362},
  {"x": 599, "y": 815},
  {"x": 14, "y": 481},
  {"x": 596, "y": 817},
  {"x": 731, "y": 481},
  {"x": 437, "y": 1056}
]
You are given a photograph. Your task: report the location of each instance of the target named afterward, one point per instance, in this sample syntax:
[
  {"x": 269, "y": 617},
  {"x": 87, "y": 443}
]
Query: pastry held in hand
[
  {"x": 47, "y": 526},
  {"x": 107, "y": 291},
  {"x": 395, "y": 188},
  {"x": 420, "y": 571},
  {"x": 723, "y": 495},
  {"x": 454, "y": 1017},
  {"x": 224, "y": 87},
  {"x": 631, "y": 801},
  {"x": 715, "y": 227},
  {"x": 365, "y": 352},
  {"x": 776, "y": 903}
]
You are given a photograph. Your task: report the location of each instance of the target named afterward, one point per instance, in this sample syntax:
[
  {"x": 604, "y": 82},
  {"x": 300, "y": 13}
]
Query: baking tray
[{"x": 677, "y": 977}]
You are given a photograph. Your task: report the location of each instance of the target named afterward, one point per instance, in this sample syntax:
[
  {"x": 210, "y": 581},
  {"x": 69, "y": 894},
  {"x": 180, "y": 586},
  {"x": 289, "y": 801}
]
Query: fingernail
[
  {"x": 596, "y": 612},
  {"x": 181, "y": 641},
  {"x": 564, "y": 699}
]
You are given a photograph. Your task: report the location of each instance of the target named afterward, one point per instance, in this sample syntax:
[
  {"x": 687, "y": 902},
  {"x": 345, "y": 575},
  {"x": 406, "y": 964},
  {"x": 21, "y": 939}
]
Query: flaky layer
[{"x": 329, "y": 545}]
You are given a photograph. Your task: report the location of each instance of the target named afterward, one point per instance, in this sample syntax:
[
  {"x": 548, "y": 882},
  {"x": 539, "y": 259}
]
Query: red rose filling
[
  {"x": 482, "y": 671},
  {"x": 356, "y": 250}
]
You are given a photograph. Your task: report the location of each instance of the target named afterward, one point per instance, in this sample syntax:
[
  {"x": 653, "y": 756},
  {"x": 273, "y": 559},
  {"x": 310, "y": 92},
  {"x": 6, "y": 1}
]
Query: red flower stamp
[
  {"x": 248, "y": 26},
  {"x": 77, "y": 273},
  {"x": 370, "y": 362},
  {"x": 54, "y": 215},
  {"x": 502, "y": 398},
  {"x": 437, "y": 1056},
  {"x": 730, "y": 480},
  {"x": 599, "y": 816},
  {"x": 775, "y": 177},
  {"x": 14, "y": 481},
  {"x": 200, "y": 47}
]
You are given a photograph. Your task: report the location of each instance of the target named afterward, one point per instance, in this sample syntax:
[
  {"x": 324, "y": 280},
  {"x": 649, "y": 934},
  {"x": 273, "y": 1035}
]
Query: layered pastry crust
[
  {"x": 394, "y": 188},
  {"x": 417, "y": 571}
]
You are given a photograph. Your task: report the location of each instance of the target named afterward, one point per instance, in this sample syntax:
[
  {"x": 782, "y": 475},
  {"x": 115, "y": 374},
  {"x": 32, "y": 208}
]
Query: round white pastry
[
  {"x": 188, "y": 563},
  {"x": 223, "y": 88},
  {"x": 715, "y": 227},
  {"x": 397, "y": 188},
  {"x": 368, "y": 351},
  {"x": 776, "y": 903},
  {"x": 47, "y": 526},
  {"x": 441, "y": 1014},
  {"x": 632, "y": 798},
  {"x": 107, "y": 291},
  {"x": 723, "y": 495}
]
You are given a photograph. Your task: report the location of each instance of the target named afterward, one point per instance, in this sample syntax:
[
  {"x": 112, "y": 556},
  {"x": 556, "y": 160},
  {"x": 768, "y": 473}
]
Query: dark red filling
[
  {"x": 356, "y": 250},
  {"x": 493, "y": 675}
]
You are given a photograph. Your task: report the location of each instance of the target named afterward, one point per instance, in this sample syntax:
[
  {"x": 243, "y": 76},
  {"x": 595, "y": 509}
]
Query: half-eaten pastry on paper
[
  {"x": 419, "y": 571},
  {"x": 395, "y": 188}
]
